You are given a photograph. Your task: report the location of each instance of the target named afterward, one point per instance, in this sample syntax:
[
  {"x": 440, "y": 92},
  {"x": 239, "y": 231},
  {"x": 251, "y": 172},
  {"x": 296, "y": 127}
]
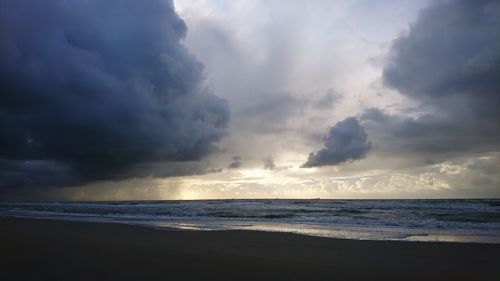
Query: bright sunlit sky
[{"x": 251, "y": 99}]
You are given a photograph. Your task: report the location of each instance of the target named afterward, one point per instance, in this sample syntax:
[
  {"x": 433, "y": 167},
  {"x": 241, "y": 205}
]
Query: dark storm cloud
[
  {"x": 95, "y": 90},
  {"x": 449, "y": 61},
  {"x": 346, "y": 141},
  {"x": 453, "y": 50},
  {"x": 236, "y": 163},
  {"x": 172, "y": 169},
  {"x": 42, "y": 173}
]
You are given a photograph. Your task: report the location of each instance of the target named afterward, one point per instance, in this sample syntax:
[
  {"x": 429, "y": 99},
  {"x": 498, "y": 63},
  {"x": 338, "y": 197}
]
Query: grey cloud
[
  {"x": 270, "y": 112},
  {"x": 429, "y": 136},
  {"x": 271, "y": 123},
  {"x": 98, "y": 89},
  {"x": 236, "y": 163},
  {"x": 346, "y": 141},
  {"x": 274, "y": 113},
  {"x": 328, "y": 101},
  {"x": 449, "y": 61},
  {"x": 269, "y": 163}
]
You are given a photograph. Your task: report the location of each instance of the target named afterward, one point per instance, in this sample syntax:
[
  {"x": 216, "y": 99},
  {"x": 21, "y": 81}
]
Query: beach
[{"x": 43, "y": 249}]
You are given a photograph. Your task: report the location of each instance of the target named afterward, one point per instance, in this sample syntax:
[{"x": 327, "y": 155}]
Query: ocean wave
[{"x": 422, "y": 215}]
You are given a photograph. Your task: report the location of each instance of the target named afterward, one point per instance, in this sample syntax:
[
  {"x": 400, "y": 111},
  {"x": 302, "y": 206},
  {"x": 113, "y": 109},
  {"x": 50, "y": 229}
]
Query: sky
[{"x": 199, "y": 99}]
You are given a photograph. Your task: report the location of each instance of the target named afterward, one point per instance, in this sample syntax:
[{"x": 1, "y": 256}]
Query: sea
[{"x": 407, "y": 220}]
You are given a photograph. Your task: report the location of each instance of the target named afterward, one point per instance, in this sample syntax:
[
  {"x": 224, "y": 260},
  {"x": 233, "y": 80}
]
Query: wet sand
[{"x": 34, "y": 249}]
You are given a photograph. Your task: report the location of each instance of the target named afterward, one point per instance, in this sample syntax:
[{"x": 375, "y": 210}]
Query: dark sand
[{"x": 60, "y": 250}]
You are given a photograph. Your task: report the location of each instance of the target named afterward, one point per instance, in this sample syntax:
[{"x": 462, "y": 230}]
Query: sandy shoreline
[{"x": 35, "y": 249}]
